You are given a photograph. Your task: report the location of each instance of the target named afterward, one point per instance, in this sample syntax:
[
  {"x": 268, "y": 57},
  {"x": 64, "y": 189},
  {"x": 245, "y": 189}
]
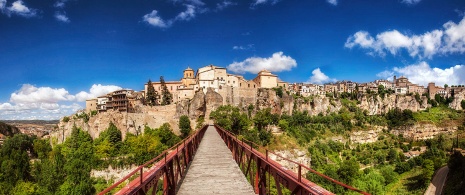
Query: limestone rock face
[
  {"x": 376, "y": 105},
  {"x": 197, "y": 105},
  {"x": 423, "y": 131},
  {"x": 267, "y": 98},
  {"x": 364, "y": 137},
  {"x": 296, "y": 155},
  {"x": 457, "y": 102},
  {"x": 319, "y": 104},
  {"x": 213, "y": 100},
  {"x": 287, "y": 102},
  {"x": 182, "y": 108}
]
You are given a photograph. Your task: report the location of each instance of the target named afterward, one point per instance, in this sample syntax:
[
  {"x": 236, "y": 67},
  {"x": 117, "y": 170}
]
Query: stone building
[
  {"x": 91, "y": 105},
  {"x": 265, "y": 79}
]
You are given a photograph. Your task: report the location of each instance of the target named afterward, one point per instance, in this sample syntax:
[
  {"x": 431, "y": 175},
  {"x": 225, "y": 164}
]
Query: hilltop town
[{"x": 226, "y": 84}]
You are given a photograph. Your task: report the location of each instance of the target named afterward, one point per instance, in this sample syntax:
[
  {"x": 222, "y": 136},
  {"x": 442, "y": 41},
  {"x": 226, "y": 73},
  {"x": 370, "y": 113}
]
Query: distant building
[
  {"x": 91, "y": 105},
  {"x": 265, "y": 79}
]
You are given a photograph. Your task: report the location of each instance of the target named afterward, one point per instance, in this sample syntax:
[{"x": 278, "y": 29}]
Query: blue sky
[{"x": 56, "y": 53}]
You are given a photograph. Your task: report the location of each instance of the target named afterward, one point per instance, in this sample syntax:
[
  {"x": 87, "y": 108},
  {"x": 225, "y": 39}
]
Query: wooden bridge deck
[{"x": 213, "y": 170}]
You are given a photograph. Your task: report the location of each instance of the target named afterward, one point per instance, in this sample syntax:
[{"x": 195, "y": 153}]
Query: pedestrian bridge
[{"x": 214, "y": 161}]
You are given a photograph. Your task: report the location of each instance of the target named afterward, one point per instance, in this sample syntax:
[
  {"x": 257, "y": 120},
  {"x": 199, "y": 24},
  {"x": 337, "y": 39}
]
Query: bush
[{"x": 65, "y": 119}]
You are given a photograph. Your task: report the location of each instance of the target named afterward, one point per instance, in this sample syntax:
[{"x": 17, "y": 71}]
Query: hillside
[{"x": 8, "y": 130}]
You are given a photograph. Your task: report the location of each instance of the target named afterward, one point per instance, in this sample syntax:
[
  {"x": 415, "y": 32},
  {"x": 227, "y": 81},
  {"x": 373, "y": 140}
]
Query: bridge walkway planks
[{"x": 213, "y": 170}]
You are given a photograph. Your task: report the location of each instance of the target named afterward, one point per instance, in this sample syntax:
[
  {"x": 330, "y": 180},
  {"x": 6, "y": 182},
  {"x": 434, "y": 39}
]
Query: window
[{"x": 212, "y": 82}]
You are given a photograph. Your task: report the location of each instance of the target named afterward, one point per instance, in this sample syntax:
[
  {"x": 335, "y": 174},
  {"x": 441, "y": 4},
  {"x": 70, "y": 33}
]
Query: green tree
[
  {"x": 167, "y": 97},
  {"x": 263, "y": 118},
  {"x": 49, "y": 172},
  {"x": 79, "y": 153},
  {"x": 200, "y": 122},
  {"x": 349, "y": 171},
  {"x": 463, "y": 104},
  {"x": 42, "y": 147},
  {"x": 14, "y": 161},
  {"x": 151, "y": 98},
  {"x": 231, "y": 119},
  {"x": 184, "y": 126},
  {"x": 427, "y": 172}
]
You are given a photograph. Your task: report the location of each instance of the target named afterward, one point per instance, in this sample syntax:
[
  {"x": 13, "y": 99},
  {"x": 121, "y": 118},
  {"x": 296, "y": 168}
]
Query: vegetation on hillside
[
  {"x": 31, "y": 166},
  {"x": 7, "y": 129},
  {"x": 377, "y": 168}
]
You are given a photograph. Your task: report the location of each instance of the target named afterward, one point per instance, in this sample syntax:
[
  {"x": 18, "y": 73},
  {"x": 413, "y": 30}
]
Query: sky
[{"x": 55, "y": 54}]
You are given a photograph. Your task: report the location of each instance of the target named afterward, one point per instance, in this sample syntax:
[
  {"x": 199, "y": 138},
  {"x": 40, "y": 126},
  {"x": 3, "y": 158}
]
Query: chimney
[{"x": 394, "y": 79}]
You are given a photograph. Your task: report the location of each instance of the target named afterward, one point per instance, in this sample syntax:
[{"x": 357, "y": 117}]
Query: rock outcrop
[
  {"x": 317, "y": 105},
  {"x": 197, "y": 105},
  {"x": 423, "y": 131},
  {"x": 267, "y": 98},
  {"x": 376, "y": 105},
  {"x": 213, "y": 100},
  {"x": 296, "y": 155},
  {"x": 457, "y": 102},
  {"x": 363, "y": 137}
]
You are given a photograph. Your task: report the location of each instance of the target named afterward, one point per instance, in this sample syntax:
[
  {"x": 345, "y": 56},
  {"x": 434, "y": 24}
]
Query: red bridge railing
[
  {"x": 169, "y": 167},
  {"x": 264, "y": 173}
]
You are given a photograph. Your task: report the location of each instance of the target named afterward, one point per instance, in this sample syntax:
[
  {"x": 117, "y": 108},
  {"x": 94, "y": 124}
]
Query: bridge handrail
[
  {"x": 154, "y": 160},
  {"x": 252, "y": 144}
]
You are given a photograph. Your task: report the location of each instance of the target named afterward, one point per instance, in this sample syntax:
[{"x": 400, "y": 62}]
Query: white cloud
[
  {"x": 422, "y": 74},
  {"x": 19, "y": 8},
  {"x": 449, "y": 40},
  {"x": 411, "y": 2},
  {"x": 247, "y": 47},
  {"x": 60, "y": 3},
  {"x": 276, "y": 63},
  {"x": 46, "y": 103},
  {"x": 2, "y": 5},
  {"x": 332, "y": 2},
  {"x": 387, "y": 74},
  {"x": 61, "y": 17},
  {"x": 223, "y": 5},
  {"x": 188, "y": 14},
  {"x": 95, "y": 91},
  {"x": 31, "y": 94},
  {"x": 258, "y": 2},
  {"x": 319, "y": 77},
  {"x": 155, "y": 20}
]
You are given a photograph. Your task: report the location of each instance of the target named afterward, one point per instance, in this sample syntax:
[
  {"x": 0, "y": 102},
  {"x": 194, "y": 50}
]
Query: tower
[{"x": 188, "y": 73}]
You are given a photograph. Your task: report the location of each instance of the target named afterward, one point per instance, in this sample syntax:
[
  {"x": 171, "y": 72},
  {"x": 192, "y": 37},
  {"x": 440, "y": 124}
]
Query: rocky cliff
[
  {"x": 376, "y": 105},
  {"x": 457, "y": 102},
  {"x": 203, "y": 104},
  {"x": 423, "y": 131}
]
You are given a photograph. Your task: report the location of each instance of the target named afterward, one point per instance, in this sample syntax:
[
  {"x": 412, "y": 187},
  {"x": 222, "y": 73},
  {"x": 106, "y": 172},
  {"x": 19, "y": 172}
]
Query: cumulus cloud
[
  {"x": 155, "y": 20},
  {"x": 332, "y": 2},
  {"x": 246, "y": 47},
  {"x": 46, "y": 103},
  {"x": 61, "y": 17},
  {"x": 276, "y": 63},
  {"x": 19, "y": 8},
  {"x": 319, "y": 77},
  {"x": 448, "y": 40},
  {"x": 422, "y": 73},
  {"x": 31, "y": 94},
  {"x": 411, "y": 2},
  {"x": 95, "y": 91}
]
